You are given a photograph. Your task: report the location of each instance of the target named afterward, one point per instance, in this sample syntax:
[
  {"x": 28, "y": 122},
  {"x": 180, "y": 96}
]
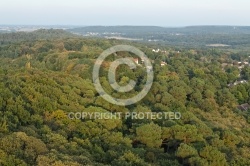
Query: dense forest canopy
[
  {"x": 41, "y": 34},
  {"x": 47, "y": 74}
]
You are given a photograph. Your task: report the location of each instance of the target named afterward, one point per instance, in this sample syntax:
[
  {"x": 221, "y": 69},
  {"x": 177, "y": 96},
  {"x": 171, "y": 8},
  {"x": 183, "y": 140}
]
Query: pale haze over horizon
[{"x": 125, "y": 12}]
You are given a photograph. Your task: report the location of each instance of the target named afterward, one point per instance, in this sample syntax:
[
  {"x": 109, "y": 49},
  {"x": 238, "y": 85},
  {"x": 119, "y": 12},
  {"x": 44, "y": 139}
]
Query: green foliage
[
  {"x": 149, "y": 134},
  {"x": 42, "y": 81},
  {"x": 213, "y": 156}
]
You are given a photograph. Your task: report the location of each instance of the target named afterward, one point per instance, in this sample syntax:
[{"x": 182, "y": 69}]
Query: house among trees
[
  {"x": 142, "y": 61},
  {"x": 156, "y": 50},
  {"x": 244, "y": 107},
  {"x": 237, "y": 82},
  {"x": 136, "y": 60},
  {"x": 163, "y": 63}
]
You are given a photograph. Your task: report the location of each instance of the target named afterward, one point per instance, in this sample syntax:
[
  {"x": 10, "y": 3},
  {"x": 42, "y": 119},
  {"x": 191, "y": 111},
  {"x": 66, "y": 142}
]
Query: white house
[
  {"x": 157, "y": 50},
  {"x": 163, "y": 63}
]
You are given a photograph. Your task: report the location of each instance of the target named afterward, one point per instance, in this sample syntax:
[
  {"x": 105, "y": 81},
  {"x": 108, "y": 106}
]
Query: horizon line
[{"x": 75, "y": 25}]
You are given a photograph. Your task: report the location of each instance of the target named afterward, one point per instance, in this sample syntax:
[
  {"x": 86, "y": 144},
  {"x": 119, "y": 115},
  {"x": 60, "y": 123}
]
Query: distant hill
[
  {"x": 118, "y": 29},
  {"x": 156, "y": 29},
  {"x": 41, "y": 34},
  {"x": 192, "y": 36},
  {"x": 236, "y": 37}
]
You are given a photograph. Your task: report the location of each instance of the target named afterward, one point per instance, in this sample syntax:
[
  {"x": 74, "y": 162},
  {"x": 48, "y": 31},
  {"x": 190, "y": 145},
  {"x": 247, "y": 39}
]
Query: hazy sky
[{"x": 125, "y": 12}]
